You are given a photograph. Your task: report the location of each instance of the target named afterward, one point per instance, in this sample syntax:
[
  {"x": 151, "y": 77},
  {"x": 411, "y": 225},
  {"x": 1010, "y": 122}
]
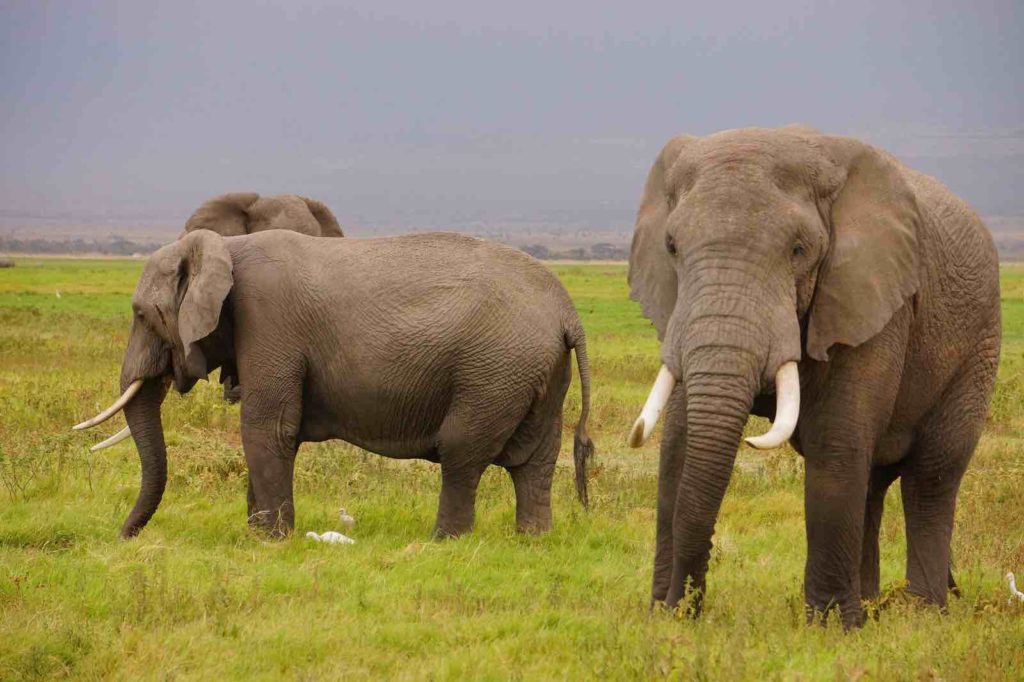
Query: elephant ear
[
  {"x": 205, "y": 278},
  {"x": 652, "y": 274},
  {"x": 227, "y": 215},
  {"x": 329, "y": 226},
  {"x": 871, "y": 269}
]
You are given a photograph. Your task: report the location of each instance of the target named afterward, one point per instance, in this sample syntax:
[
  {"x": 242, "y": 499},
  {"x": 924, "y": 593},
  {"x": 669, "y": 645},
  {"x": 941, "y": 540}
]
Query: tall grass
[{"x": 199, "y": 596}]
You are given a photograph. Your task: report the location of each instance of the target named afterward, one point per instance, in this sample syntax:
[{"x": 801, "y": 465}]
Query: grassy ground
[{"x": 199, "y": 596}]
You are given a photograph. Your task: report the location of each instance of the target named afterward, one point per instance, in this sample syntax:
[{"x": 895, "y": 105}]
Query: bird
[
  {"x": 345, "y": 518},
  {"x": 331, "y": 537},
  {"x": 1014, "y": 592}
]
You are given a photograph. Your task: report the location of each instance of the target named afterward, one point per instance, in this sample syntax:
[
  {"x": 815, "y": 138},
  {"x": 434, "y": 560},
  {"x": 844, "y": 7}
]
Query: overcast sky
[{"x": 432, "y": 113}]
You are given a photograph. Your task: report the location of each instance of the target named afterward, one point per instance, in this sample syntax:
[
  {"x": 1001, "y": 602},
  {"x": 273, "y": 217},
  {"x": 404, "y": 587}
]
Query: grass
[{"x": 199, "y": 596}]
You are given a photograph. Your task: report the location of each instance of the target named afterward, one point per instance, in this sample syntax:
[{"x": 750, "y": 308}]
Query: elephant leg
[
  {"x": 954, "y": 589},
  {"x": 878, "y": 484},
  {"x": 473, "y": 435},
  {"x": 673, "y": 449},
  {"x": 270, "y": 426},
  {"x": 929, "y": 503},
  {"x": 250, "y": 499},
  {"x": 457, "y": 506},
  {"x": 842, "y": 421},
  {"x": 934, "y": 468},
  {"x": 532, "y": 482},
  {"x": 231, "y": 388},
  {"x": 232, "y": 392},
  {"x": 834, "y": 501}
]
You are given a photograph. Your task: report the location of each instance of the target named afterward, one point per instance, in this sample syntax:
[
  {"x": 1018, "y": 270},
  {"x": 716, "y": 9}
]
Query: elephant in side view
[
  {"x": 433, "y": 346},
  {"x": 866, "y": 295},
  {"x": 238, "y": 213}
]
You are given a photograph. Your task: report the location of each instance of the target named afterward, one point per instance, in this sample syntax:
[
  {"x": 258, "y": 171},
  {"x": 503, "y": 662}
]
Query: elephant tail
[{"x": 583, "y": 447}]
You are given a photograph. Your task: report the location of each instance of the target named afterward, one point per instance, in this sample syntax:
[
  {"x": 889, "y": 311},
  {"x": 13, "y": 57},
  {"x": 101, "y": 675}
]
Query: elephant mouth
[
  {"x": 787, "y": 408},
  {"x": 183, "y": 382},
  {"x": 117, "y": 406}
]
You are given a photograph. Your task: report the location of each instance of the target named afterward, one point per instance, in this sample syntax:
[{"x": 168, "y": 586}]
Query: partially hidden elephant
[
  {"x": 865, "y": 296},
  {"x": 434, "y": 346},
  {"x": 238, "y": 213}
]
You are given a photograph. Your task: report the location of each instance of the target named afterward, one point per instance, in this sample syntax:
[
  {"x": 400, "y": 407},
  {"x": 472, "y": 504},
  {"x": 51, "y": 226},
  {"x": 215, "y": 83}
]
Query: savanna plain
[{"x": 199, "y": 596}]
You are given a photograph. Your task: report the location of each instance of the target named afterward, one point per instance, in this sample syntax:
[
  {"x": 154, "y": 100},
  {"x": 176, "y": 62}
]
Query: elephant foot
[
  {"x": 852, "y": 616},
  {"x": 537, "y": 526},
  {"x": 447, "y": 532},
  {"x": 275, "y": 524},
  {"x": 532, "y": 483}
]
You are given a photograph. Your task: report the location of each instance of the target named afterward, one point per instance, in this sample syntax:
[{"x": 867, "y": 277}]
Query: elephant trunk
[
  {"x": 143, "y": 415},
  {"x": 718, "y": 402}
]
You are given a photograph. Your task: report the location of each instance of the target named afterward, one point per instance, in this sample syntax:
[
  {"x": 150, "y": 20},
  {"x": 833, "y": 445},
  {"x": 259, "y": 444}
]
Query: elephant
[
  {"x": 865, "y": 296},
  {"x": 238, "y": 213},
  {"x": 434, "y": 346}
]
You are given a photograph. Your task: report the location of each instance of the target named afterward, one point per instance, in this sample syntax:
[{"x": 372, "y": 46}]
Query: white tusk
[
  {"x": 106, "y": 414},
  {"x": 656, "y": 401},
  {"x": 113, "y": 440},
  {"x": 787, "y": 409}
]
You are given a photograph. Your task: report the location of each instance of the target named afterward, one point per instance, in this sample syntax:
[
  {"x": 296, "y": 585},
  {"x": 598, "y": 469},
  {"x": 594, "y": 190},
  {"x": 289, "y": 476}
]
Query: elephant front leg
[
  {"x": 270, "y": 446},
  {"x": 835, "y": 493},
  {"x": 879, "y": 482}
]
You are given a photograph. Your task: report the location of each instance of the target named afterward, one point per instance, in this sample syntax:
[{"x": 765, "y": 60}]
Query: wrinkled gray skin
[
  {"x": 433, "y": 346},
  {"x": 756, "y": 247},
  {"x": 238, "y": 213}
]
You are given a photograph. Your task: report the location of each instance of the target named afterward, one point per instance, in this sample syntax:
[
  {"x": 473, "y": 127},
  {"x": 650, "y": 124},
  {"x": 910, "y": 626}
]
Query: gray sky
[{"x": 426, "y": 114}]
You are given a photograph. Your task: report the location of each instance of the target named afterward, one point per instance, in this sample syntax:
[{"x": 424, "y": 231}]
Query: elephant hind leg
[
  {"x": 532, "y": 481},
  {"x": 465, "y": 448},
  {"x": 931, "y": 479},
  {"x": 878, "y": 484}
]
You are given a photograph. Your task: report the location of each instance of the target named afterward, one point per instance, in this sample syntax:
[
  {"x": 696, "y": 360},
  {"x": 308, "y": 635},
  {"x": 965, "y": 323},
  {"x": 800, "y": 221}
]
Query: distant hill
[{"x": 546, "y": 241}]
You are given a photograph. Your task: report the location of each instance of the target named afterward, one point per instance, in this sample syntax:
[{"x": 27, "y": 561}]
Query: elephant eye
[
  {"x": 670, "y": 244},
  {"x": 798, "y": 249}
]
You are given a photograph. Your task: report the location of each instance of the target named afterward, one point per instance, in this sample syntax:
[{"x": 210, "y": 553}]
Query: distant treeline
[
  {"x": 117, "y": 246},
  {"x": 599, "y": 251},
  {"x": 110, "y": 246},
  {"x": 1010, "y": 248}
]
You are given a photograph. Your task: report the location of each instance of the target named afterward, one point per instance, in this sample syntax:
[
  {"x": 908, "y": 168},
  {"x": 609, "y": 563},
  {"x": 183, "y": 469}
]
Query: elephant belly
[{"x": 396, "y": 424}]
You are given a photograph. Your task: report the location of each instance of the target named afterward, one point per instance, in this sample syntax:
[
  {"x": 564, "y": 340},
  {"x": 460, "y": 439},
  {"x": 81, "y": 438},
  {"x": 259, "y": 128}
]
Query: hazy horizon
[{"x": 454, "y": 114}]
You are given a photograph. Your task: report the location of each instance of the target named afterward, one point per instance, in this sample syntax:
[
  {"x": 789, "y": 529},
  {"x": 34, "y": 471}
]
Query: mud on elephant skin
[
  {"x": 865, "y": 295},
  {"x": 434, "y": 346}
]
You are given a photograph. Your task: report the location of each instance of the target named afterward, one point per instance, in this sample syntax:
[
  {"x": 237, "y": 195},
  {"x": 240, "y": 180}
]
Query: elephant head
[
  {"x": 178, "y": 335},
  {"x": 755, "y": 250},
  {"x": 241, "y": 213}
]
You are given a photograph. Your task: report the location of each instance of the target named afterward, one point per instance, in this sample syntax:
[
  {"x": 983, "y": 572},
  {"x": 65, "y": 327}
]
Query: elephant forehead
[{"x": 781, "y": 157}]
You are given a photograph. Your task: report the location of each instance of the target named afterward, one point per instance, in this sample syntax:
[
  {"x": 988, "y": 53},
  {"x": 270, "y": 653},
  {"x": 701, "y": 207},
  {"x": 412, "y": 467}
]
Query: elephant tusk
[
  {"x": 656, "y": 401},
  {"x": 126, "y": 432},
  {"x": 787, "y": 409},
  {"x": 106, "y": 414}
]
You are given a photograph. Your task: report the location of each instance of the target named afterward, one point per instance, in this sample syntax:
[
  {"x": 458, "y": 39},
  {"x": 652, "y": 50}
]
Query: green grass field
[{"x": 199, "y": 596}]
